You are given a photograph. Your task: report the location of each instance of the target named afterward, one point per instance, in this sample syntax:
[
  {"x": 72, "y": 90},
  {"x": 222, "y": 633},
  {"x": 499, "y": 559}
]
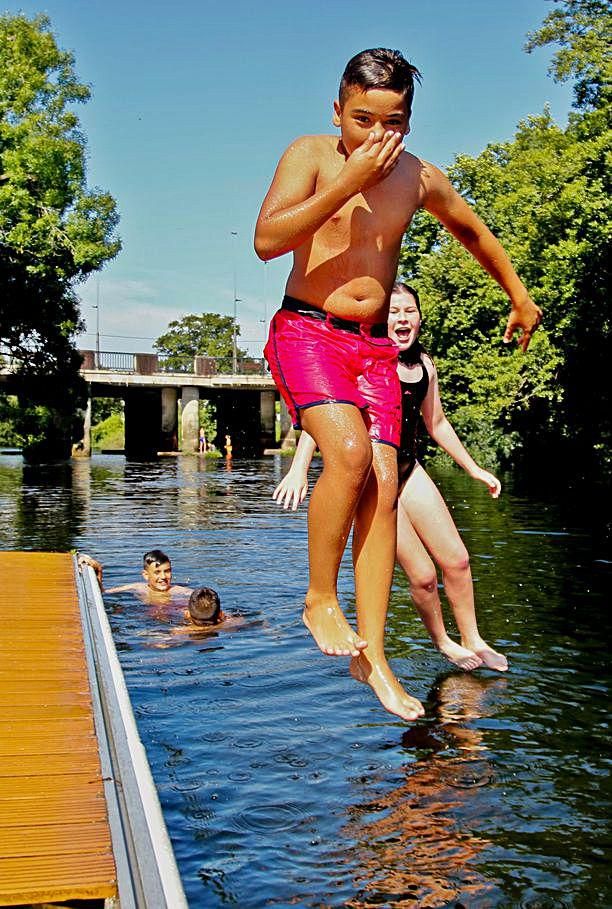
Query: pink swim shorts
[{"x": 316, "y": 359}]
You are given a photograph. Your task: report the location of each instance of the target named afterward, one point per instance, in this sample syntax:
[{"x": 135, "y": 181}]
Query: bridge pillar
[
  {"x": 288, "y": 438},
  {"x": 190, "y": 418},
  {"x": 169, "y": 419},
  {"x": 143, "y": 420},
  {"x": 268, "y": 419},
  {"x": 82, "y": 449}
]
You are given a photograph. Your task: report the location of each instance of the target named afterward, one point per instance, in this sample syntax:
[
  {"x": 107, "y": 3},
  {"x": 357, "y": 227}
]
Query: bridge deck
[{"x": 55, "y": 841}]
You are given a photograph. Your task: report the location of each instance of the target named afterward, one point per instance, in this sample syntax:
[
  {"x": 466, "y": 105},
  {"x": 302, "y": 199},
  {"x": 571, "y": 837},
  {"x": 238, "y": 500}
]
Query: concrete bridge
[{"x": 161, "y": 406}]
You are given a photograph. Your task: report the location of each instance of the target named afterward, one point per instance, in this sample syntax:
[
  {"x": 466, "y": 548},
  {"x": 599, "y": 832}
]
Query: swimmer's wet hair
[
  {"x": 204, "y": 606},
  {"x": 154, "y": 557},
  {"x": 380, "y": 67}
]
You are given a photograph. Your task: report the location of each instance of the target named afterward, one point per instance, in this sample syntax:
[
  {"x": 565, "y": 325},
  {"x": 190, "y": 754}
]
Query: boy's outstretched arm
[
  {"x": 293, "y": 488},
  {"x": 294, "y": 209},
  {"x": 444, "y": 203}
]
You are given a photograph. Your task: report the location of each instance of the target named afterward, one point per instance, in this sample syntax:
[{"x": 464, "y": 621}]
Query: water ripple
[{"x": 269, "y": 818}]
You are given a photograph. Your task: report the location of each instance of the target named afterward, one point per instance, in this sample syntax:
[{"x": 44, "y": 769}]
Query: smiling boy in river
[
  {"x": 341, "y": 205},
  {"x": 156, "y": 589}
]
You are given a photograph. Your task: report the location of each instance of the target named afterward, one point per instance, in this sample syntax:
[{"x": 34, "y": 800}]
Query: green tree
[
  {"x": 207, "y": 411},
  {"x": 545, "y": 195},
  {"x": 208, "y": 335},
  {"x": 583, "y": 28},
  {"x": 103, "y": 408},
  {"x": 8, "y": 407},
  {"x": 54, "y": 231}
]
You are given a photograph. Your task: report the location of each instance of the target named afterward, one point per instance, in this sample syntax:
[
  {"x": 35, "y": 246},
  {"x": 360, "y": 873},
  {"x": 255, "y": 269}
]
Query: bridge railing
[{"x": 152, "y": 364}]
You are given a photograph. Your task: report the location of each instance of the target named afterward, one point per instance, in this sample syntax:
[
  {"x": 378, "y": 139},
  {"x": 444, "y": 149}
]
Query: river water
[{"x": 282, "y": 781}]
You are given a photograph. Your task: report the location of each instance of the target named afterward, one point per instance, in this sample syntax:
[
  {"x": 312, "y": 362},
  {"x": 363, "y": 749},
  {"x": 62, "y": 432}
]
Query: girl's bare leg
[
  {"x": 433, "y": 523},
  {"x": 340, "y": 433},
  {"x": 374, "y": 534},
  {"x": 422, "y": 576}
]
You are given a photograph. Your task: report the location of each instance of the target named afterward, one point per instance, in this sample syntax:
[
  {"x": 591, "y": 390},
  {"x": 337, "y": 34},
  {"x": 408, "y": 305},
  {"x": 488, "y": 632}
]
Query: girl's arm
[
  {"x": 445, "y": 436},
  {"x": 293, "y": 488}
]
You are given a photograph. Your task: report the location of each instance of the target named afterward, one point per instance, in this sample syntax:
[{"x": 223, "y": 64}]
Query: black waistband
[{"x": 378, "y": 330}]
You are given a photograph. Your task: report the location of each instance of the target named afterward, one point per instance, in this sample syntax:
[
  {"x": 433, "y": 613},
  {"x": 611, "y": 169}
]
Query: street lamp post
[
  {"x": 234, "y": 233},
  {"x": 265, "y": 294},
  {"x": 97, "y": 309}
]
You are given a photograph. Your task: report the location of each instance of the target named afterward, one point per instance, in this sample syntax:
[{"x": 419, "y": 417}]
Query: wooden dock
[
  {"x": 66, "y": 806},
  {"x": 55, "y": 841}
]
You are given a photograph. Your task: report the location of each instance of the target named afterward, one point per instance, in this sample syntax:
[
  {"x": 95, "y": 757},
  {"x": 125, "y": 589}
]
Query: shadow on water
[{"x": 284, "y": 783}]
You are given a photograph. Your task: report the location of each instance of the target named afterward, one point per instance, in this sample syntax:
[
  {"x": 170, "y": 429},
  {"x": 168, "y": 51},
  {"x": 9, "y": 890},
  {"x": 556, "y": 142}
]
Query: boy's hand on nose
[{"x": 373, "y": 160}]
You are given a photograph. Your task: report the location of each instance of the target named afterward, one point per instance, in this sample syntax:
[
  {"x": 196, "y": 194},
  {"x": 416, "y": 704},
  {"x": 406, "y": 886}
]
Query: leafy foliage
[
  {"x": 53, "y": 230},
  {"x": 545, "y": 195},
  {"x": 583, "y": 29},
  {"x": 46, "y": 210},
  {"x": 8, "y": 410},
  {"x": 209, "y": 335},
  {"x": 103, "y": 408},
  {"x": 207, "y": 411},
  {"x": 109, "y": 433}
]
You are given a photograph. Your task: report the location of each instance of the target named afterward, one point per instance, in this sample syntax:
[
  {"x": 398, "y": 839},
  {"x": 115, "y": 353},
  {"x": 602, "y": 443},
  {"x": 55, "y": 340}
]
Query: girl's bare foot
[
  {"x": 459, "y": 656},
  {"x": 386, "y": 687},
  {"x": 492, "y": 659},
  {"x": 331, "y": 631}
]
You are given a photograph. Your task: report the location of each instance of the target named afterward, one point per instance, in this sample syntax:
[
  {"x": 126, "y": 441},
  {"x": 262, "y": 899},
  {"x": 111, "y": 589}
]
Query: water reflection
[
  {"x": 413, "y": 847},
  {"x": 51, "y": 506}
]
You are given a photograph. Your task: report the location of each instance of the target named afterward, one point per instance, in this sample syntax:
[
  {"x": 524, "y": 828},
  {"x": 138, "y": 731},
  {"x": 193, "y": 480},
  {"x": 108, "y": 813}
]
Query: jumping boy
[{"x": 342, "y": 205}]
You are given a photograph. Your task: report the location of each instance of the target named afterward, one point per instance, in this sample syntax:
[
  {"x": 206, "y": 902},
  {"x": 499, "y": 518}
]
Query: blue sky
[{"x": 193, "y": 102}]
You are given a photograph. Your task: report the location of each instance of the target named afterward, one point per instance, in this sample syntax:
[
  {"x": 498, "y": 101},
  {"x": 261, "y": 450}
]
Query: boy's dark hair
[
  {"x": 380, "y": 67},
  {"x": 204, "y": 606},
  {"x": 413, "y": 354},
  {"x": 154, "y": 557}
]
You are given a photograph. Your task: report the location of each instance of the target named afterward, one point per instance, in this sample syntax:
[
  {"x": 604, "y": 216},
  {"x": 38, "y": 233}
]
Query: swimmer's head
[
  {"x": 404, "y": 321},
  {"x": 205, "y": 606},
  {"x": 157, "y": 570},
  {"x": 382, "y": 69},
  {"x": 154, "y": 557}
]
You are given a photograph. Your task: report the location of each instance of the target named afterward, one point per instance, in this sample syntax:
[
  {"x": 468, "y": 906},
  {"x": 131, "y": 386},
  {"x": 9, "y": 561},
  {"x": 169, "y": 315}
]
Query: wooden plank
[
  {"x": 27, "y": 879},
  {"x": 55, "y": 841}
]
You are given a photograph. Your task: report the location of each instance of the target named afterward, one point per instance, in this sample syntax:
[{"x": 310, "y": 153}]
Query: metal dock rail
[{"x": 79, "y": 813}]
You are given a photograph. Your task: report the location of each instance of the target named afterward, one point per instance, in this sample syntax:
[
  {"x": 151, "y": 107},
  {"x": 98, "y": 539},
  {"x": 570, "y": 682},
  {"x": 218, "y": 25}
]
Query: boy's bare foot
[
  {"x": 492, "y": 659},
  {"x": 459, "y": 656},
  {"x": 331, "y": 631},
  {"x": 386, "y": 687}
]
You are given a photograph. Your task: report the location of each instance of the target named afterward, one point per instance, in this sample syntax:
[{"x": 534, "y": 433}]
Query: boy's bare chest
[{"x": 384, "y": 210}]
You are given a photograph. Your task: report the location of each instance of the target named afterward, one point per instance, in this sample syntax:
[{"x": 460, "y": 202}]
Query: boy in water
[
  {"x": 204, "y": 607},
  {"x": 157, "y": 588},
  {"x": 342, "y": 205},
  {"x": 204, "y": 613}
]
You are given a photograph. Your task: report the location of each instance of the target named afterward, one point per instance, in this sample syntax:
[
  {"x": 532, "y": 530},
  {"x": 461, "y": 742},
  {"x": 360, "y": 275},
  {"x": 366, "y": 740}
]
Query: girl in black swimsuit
[{"x": 426, "y": 533}]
